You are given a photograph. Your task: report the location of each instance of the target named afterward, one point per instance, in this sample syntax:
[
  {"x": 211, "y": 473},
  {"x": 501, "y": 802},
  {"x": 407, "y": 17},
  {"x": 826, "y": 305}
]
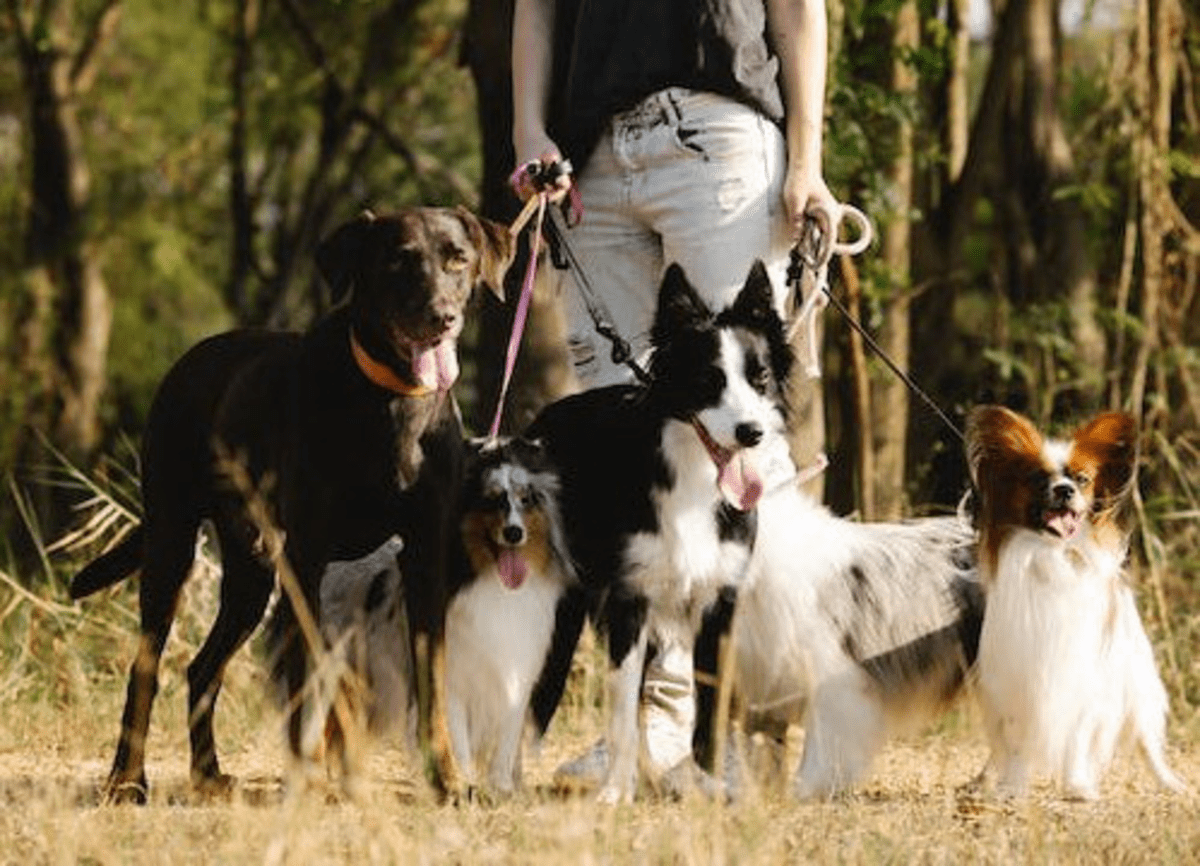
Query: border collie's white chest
[{"x": 684, "y": 565}]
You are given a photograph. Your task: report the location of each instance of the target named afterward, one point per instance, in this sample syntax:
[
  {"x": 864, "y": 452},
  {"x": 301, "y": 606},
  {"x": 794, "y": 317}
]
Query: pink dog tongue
[
  {"x": 512, "y": 568},
  {"x": 739, "y": 481},
  {"x": 1064, "y": 523},
  {"x": 436, "y": 367}
]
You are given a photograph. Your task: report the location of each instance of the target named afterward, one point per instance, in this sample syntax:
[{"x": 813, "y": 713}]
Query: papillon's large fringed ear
[
  {"x": 339, "y": 256},
  {"x": 680, "y": 306},
  {"x": 997, "y": 436},
  {"x": 1109, "y": 443},
  {"x": 495, "y": 245}
]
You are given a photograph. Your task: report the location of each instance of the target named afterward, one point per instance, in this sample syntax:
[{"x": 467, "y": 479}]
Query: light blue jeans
[{"x": 685, "y": 177}]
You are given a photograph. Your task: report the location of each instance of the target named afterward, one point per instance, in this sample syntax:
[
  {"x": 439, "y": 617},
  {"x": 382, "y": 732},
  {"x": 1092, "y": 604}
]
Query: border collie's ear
[
  {"x": 756, "y": 300},
  {"x": 679, "y": 305},
  {"x": 995, "y": 434},
  {"x": 339, "y": 256},
  {"x": 495, "y": 245}
]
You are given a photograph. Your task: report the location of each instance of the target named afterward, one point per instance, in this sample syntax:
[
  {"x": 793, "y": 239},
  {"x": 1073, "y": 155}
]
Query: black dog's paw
[
  {"x": 120, "y": 791},
  {"x": 214, "y": 786}
]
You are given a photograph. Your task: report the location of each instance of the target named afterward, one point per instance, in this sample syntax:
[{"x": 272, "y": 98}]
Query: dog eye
[
  {"x": 456, "y": 260},
  {"x": 757, "y": 375},
  {"x": 1081, "y": 478}
]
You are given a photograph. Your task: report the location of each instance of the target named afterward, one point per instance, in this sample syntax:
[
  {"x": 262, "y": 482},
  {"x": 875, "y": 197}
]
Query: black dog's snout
[
  {"x": 513, "y": 534},
  {"x": 748, "y": 435}
]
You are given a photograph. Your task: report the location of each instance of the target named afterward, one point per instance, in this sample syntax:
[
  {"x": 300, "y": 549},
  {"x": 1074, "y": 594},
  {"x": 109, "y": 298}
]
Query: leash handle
[{"x": 819, "y": 240}]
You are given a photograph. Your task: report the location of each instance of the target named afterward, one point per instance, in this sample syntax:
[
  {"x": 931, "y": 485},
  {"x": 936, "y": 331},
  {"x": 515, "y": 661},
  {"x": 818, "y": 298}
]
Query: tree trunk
[
  {"x": 958, "y": 112},
  {"x": 889, "y": 397},
  {"x": 61, "y": 261},
  {"x": 1064, "y": 268}
]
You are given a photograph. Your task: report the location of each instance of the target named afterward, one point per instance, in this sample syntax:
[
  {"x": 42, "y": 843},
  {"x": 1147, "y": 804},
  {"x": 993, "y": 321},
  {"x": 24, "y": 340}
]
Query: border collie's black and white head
[{"x": 726, "y": 370}]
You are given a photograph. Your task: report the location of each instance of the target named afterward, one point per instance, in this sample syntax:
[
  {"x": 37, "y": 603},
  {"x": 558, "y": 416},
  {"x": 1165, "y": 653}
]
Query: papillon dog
[{"x": 1065, "y": 668}]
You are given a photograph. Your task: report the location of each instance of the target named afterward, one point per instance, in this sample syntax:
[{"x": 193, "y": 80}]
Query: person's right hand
[{"x": 545, "y": 152}]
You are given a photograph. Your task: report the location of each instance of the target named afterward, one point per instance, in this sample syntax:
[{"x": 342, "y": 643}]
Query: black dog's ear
[
  {"x": 680, "y": 307},
  {"x": 496, "y": 246},
  {"x": 339, "y": 256}
]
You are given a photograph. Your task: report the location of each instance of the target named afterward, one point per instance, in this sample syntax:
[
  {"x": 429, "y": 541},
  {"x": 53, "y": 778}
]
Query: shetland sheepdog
[{"x": 509, "y": 573}]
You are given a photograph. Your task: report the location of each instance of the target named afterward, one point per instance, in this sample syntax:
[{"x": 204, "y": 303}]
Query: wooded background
[{"x": 165, "y": 171}]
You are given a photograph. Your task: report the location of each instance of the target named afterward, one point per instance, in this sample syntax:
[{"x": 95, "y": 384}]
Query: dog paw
[
  {"x": 1081, "y": 792},
  {"x": 614, "y": 795},
  {"x": 213, "y": 786},
  {"x": 120, "y": 791}
]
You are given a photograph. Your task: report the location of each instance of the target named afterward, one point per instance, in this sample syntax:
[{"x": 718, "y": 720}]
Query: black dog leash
[
  {"x": 814, "y": 251},
  {"x": 564, "y": 258}
]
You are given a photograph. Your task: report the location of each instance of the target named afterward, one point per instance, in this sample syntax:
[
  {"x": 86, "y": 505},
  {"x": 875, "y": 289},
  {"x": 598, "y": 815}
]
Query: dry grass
[
  {"x": 60, "y": 700},
  {"x": 62, "y": 682}
]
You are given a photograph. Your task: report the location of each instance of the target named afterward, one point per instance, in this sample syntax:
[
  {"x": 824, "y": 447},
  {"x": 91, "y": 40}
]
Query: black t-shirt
[{"x": 611, "y": 54}]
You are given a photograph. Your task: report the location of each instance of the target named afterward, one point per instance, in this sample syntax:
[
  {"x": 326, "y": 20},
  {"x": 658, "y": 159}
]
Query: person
[{"x": 694, "y": 128}]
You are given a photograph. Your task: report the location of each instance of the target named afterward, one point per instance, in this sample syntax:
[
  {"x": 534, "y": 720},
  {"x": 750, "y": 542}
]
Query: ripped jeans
[{"x": 687, "y": 177}]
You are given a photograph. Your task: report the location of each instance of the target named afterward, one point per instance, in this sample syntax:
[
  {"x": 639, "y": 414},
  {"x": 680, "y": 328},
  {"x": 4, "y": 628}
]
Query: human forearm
[
  {"x": 799, "y": 32},
  {"x": 532, "y": 57}
]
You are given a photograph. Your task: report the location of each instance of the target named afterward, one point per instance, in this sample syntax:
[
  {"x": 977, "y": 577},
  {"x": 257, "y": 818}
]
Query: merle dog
[{"x": 351, "y": 436}]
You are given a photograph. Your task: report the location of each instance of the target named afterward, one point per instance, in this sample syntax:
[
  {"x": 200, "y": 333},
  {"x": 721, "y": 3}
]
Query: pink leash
[
  {"x": 518, "y": 328},
  {"x": 527, "y": 176}
]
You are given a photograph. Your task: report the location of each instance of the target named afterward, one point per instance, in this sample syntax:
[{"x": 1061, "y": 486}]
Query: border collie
[
  {"x": 659, "y": 485},
  {"x": 1065, "y": 667},
  {"x": 859, "y": 631},
  {"x": 511, "y": 572}
]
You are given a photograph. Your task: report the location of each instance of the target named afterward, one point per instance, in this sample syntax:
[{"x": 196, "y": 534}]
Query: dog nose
[
  {"x": 748, "y": 435},
  {"x": 514, "y": 534},
  {"x": 446, "y": 321},
  {"x": 1062, "y": 491}
]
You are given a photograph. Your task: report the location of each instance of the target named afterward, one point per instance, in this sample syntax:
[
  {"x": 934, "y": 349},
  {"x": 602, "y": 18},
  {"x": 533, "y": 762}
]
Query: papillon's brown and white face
[{"x": 1061, "y": 487}]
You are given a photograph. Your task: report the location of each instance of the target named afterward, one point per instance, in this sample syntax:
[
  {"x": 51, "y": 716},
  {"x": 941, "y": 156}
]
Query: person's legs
[
  {"x": 713, "y": 193},
  {"x": 621, "y": 260}
]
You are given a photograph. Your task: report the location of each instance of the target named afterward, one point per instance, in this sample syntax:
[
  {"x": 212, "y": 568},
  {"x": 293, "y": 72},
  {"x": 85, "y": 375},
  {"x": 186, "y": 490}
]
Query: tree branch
[{"x": 99, "y": 31}]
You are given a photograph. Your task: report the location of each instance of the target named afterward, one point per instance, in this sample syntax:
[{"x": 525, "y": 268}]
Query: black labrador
[{"x": 349, "y": 434}]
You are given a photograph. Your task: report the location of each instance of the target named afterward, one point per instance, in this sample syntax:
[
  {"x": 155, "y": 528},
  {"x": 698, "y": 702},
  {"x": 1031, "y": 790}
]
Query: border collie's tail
[{"x": 111, "y": 567}]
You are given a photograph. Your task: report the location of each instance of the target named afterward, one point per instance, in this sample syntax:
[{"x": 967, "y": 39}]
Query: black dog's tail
[{"x": 112, "y": 566}]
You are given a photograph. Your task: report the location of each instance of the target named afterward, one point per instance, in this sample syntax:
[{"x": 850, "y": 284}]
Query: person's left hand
[{"x": 805, "y": 191}]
